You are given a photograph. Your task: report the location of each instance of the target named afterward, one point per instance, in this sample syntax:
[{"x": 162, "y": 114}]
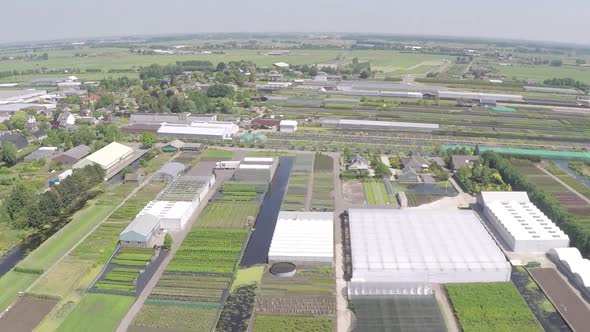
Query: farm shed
[
  {"x": 574, "y": 266},
  {"x": 42, "y": 152},
  {"x": 303, "y": 238},
  {"x": 256, "y": 170},
  {"x": 404, "y": 251},
  {"x": 520, "y": 223},
  {"x": 171, "y": 215},
  {"x": 73, "y": 155},
  {"x": 140, "y": 128},
  {"x": 288, "y": 126},
  {"x": 141, "y": 232},
  {"x": 377, "y": 125},
  {"x": 178, "y": 145},
  {"x": 110, "y": 158},
  {"x": 132, "y": 178},
  {"x": 187, "y": 189},
  {"x": 169, "y": 172}
]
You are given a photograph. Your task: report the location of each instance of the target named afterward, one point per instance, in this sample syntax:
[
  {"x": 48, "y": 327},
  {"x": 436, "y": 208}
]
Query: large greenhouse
[{"x": 404, "y": 251}]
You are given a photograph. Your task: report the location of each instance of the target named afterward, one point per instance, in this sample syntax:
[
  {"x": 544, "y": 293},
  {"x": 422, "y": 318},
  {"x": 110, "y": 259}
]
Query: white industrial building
[
  {"x": 288, "y": 126},
  {"x": 405, "y": 251},
  {"x": 200, "y": 130},
  {"x": 170, "y": 118},
  {"x": 479, "y": 96},
  {"x": 377, "y": 125},
  {"x": 391, "y": 94},
  {"x": 256, "y": 170},
  {"x": 111, "y": 158},
  {"x": 303, "y": 238},
  {"x": 520, "y": 223},
  {"x": 172, "y": 215},
  {"x": 141, "y": 232},
  {"x": 9, "y": 96}
]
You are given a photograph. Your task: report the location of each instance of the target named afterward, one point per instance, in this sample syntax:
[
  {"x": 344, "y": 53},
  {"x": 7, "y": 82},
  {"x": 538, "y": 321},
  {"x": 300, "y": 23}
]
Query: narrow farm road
[
  {"x": 343, "y": 315},
  {"x": 564, "y": 184},
  {"x": 178, "y": 238}
]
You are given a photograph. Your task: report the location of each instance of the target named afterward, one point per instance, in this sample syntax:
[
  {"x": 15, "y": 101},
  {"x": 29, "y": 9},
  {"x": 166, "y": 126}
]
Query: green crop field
[
  {"x": 209, "y": 251},
  {"x": 217, "y": 155},
  {"x": 543, "y": 72},
  {"x": 270, "y": 323},
  {"x": 482, "y": 307},
  {"x": 226, "y": 215},
  {"x": 376, "y": 194},
  {"x": 112, "y": 308},
  {"x": 297, "y": 188},
  {"x": 175, "y": 317},
  {"x": 174, "y": 286}
]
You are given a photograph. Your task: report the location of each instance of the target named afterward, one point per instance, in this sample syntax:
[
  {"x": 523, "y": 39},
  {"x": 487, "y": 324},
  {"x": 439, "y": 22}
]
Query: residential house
[
  {"x": 65, "y": 119},
  {"x": 31, "y": 119},
  {"x": 459, "y": 161},
  {"x": 358, "y": 163},
  {"x": 18, "y": 140},
  {"x": 39, "y": 135},
  {"x": 408, "y": 174},
  {"x": 417, "y": 163}
]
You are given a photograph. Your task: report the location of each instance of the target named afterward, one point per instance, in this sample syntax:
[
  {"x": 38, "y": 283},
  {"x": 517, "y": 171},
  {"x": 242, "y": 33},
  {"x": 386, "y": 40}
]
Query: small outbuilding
[
  {"x": 132, "y": 178},
  {"x": 41, "y": 153},
  {"x": 169, "y": 172},
  {"x": 72, "y": 156},
  {"x": 288, "y": 126},
  {"x": 141, "y": 232}
]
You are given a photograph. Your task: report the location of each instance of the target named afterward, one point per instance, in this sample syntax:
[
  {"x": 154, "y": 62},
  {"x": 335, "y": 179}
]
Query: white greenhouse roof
[
  {"x": 242, "y": 166},
  {"x": 288, "y": 123},
  {"x": 110, "y": 154},
  {"x": 524, "y": 221},
  {"x": 504, "y": 196},
  {"x": 380, "y": 124},
  {"x": 197, "y": 131},
  {"x": 424, "y": 246},
  {"x": 140, "y": 228},
  {"x": 166, "y": 209},
  {"x": 303, "y": 237},
  {"x": 259, "y": 160}
]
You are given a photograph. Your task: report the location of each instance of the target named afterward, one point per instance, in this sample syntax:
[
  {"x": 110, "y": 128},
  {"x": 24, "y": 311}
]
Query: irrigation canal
[{"x": 259, "y": 244}]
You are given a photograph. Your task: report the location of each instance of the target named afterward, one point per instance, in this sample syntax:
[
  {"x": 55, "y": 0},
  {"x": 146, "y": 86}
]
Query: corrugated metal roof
[
  {"x": 78, "y": 152},
  {"x": 172, "y": 169},
  {"x": 142, "y": 225}
]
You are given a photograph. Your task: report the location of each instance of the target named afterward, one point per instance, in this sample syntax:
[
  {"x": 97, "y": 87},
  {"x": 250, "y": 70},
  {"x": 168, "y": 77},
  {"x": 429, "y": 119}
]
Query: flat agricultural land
[
  {"x": 298, "y": 186},
  {"x": 26, "y": 313},
  {"x": 174, "y": 317},
  {"x": 97, "y": 312},
  {"x": 226, "y": 215},
  {"x": 491, "y": 307},
  {"x": 270, "y": 323},
  {"x": 572, "y": 308},
  {"x": 377, "y": 195},
  {"x": 217, "y": 155},
  {"x": 570, "y": 201},
  {"x": 323, "y": 183},
  {"x": 353, "y": 192},
  {"x": 310, "y": 292}
]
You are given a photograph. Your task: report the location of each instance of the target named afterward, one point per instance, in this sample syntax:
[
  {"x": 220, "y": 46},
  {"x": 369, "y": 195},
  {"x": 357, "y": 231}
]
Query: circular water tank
[{"x": 283, "y": 269}]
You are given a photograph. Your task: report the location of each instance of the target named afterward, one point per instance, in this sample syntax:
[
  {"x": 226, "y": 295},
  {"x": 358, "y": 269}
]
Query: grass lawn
[
  {"x": 11, "y": 283},
  {"x": 217, "y": 155},
  {"x": 491, "y": 307},
  {"x": 542, "y": 72},
  {"x": 271, "y": 323},
  {"x": 97, "y": 312},
  {"x": 248, "y": 276},
  {"x": 226, "y": 214}
]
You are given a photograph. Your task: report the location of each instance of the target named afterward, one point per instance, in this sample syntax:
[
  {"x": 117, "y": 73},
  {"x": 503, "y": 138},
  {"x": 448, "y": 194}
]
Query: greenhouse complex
[{"x": 404, "y": 251}]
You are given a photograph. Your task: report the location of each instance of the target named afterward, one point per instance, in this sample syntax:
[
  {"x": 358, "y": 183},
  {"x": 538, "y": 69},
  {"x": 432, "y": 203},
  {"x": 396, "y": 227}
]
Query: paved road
[
  {"x": 178, "y": 238},
  {"x": 446, "y": 308},
  {"x": 564, "y": 184},
  {"x": 47, "y": 271}
]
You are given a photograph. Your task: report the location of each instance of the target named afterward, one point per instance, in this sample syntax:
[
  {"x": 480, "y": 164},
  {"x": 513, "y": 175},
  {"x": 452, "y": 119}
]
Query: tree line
[
  {"x": 579, "y": 237},
  {"x": 24, "y": 207}
]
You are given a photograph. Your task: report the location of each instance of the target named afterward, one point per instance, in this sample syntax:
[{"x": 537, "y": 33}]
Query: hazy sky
[{"x": 550, "y": 20}]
